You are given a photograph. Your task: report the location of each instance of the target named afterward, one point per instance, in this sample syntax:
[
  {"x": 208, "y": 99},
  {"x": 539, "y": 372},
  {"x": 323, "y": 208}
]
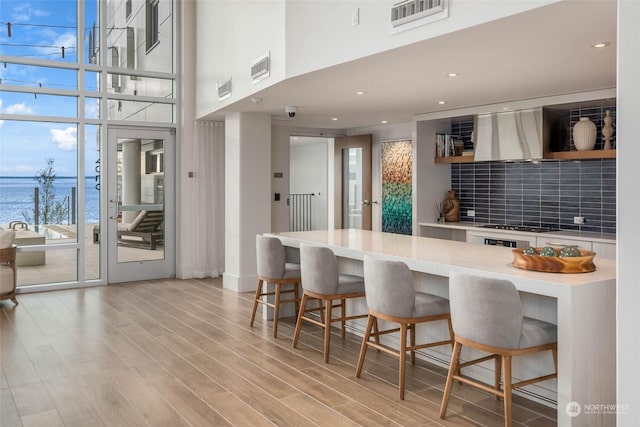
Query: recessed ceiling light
[
  {"x": 383, "y": 122},
  {"x": 453, "y": 74},
  {"x": 334, "y": 118},
  {"x": 505, "y": 108},
  {"x": 360, "y": 92},
  {"x": 600, "y": 44},
  {"x": 442, "y": 102}
]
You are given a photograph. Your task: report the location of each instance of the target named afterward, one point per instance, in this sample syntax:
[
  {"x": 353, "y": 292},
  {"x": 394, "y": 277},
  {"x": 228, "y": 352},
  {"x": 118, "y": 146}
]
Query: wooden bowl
[{"x": 581, "y": 264}]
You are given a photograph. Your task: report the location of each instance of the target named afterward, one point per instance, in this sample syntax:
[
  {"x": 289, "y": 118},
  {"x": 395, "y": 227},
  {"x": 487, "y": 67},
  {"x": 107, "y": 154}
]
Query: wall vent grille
[
  {"x": 260, "y": 68},
  {"x": 224, "y": 89},
  {"x": 412, "y": 10}
]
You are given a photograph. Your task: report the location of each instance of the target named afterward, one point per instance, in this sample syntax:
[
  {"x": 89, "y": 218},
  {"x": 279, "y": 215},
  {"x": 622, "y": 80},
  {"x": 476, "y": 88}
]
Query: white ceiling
[{"x": 543, "y": 52}]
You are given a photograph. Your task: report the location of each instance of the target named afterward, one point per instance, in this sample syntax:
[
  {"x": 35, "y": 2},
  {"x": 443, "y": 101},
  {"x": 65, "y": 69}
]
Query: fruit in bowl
[
  {"x": 548, "y": 251},
  {"x": 530, "y": 250}
]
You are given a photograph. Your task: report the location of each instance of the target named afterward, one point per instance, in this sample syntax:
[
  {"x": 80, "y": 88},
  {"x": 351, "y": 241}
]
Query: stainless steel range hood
[{"x": 513, "y": 135}]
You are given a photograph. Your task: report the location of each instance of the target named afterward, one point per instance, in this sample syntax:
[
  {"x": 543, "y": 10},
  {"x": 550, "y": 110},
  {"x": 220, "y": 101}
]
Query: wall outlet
[
  {"x": 471, "y": 213},
  {"x": 355, "y": 17},
  {"x": 578, "y": 220}
]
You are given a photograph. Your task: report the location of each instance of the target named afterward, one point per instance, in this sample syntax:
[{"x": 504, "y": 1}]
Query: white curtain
[{"x": 202, "y": 242}]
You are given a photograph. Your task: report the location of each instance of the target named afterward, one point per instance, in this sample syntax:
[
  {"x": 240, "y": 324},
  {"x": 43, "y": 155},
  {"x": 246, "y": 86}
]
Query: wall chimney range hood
[{"x": 512, "y": 135}]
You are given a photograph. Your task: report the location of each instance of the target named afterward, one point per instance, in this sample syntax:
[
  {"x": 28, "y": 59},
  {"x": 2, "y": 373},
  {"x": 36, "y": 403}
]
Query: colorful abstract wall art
[{"x": 397, "y": 167}]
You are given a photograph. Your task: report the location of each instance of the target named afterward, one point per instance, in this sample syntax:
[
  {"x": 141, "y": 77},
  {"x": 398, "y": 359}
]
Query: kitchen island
[{"x": 582, "y": 305}]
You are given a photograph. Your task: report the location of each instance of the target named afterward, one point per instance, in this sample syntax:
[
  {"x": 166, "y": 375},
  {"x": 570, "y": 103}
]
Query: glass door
[
  {"x": 140, "y": 204},
  {"x": 352, "y": 189}
]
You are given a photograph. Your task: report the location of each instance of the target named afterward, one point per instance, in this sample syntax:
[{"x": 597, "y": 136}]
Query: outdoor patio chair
[{"x": 145, "y": 230}]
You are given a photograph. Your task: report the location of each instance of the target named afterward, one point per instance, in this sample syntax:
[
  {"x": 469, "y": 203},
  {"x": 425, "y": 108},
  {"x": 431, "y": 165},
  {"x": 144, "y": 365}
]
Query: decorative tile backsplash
[{"x": 543, "y": 194}]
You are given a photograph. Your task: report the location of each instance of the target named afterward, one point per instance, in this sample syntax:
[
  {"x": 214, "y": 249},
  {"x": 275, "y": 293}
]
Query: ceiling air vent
[
  {"x": 224, "y": 89},
  {"x": 412, "y": 10},
  {"x": 260, "y": 68}
]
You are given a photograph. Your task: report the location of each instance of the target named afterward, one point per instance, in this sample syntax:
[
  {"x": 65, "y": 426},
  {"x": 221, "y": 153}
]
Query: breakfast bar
[{"x": 582, "y": 305}]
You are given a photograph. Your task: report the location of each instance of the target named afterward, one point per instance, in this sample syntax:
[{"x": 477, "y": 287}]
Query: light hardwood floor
[{"x": 181, "y": 353}]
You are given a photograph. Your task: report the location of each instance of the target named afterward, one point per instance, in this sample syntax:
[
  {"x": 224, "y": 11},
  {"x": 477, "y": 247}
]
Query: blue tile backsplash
[{"x": 543, "y": 194}]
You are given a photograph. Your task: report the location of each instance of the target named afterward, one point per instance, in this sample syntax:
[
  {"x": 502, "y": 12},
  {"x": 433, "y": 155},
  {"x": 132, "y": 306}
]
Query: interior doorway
[{"x": 309, "y": 182}]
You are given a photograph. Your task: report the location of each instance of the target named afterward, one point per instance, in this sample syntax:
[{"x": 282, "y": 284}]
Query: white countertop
[
  {"x": 439, "y": 257},
  {"x": 578, "y": 235}
]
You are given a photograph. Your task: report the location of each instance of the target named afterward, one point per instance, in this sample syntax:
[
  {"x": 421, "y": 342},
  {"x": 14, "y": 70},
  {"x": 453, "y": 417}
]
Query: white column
[
  {"x": 130, "y": 177},
  {"x": 628, "y": 111},
  {"x": 247, "y": 195}
]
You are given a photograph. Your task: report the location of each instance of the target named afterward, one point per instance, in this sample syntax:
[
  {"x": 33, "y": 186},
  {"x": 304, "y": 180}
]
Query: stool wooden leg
[
  {"x": 376, "y": 330},
  {"x": 453, "y": 368},
  {"x": 327, "y": 329},
  {"x": 303, "y": 305},
  {"x": 343, "y": 303},
  {"x": 413, "y": 343},
  {"x": 276, "y": 309},
  {"x": 507, "y": 390},
  {"x": 371, "y": 321},
  {"x": 497, "y": 374},
  {"x": 255, "y": 301},
  {"x": 403, "y": 358}
]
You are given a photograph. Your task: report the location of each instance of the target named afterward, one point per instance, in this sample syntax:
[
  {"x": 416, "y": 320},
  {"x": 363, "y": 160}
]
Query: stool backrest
[
  {"x": 270, "y": 256},
  {"x": 487, "y": 311},
  {"x": 318, "y": 269},
  {"x": 389, "y": 287}
]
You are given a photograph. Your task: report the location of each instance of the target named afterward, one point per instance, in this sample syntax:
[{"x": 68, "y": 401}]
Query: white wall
[
  {"x": 308, "y": 170},
  {"x": 320, "y": 34},
  {"x": 231, "y": 35},
  {"x": 628, "y": 148}
]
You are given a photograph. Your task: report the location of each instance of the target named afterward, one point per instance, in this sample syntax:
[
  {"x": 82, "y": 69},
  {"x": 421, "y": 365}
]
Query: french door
[{"x": 140, "y": 234}]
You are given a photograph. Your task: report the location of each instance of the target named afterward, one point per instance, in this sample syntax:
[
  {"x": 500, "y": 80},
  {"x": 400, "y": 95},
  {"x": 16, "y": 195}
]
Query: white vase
[{"x": 584, "y": 134}]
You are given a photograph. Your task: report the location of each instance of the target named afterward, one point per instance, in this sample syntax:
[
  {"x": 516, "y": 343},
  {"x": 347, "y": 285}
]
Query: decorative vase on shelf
[
  {"x": 584, "y": 134},
  {"x": 607, "y": 131},
  {"x": 451, "y": 207}
]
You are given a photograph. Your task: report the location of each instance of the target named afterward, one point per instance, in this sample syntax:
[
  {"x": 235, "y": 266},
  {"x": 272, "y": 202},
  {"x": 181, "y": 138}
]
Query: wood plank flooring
[{"x": 181, "y": 353}]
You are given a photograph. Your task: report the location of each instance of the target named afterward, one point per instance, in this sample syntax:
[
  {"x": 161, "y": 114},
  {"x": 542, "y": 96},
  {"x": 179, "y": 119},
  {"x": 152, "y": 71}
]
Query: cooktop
[{"x": 526, "y": 228}]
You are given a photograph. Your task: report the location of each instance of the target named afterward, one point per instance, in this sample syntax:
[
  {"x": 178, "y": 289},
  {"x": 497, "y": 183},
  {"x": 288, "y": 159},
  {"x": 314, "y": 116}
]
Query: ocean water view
[{"x": 16, "y": 197}]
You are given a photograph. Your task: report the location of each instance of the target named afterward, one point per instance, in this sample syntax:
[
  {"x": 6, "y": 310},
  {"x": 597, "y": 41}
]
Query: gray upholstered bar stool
[
  {"x": 273, "y": 268},
  {"x": 487, "y": 315},
  {"x": 321, "y": 280},
  {"x": 392, "y": 297}
]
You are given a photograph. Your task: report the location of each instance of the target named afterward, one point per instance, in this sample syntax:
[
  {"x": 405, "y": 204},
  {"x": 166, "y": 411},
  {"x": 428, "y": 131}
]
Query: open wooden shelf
[
  {"x": 591, "y": 154},
  {"x": 454, "y": 159}
]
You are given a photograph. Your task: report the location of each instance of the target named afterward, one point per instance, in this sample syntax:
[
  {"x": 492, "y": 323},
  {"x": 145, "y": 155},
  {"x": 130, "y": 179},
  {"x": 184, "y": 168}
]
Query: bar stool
[
  {"x": 321, "y": 280},
  {"x": 392, "y": 297},
  {"x": 487, "y": 315},
  {"x": 273, "y": 268}
]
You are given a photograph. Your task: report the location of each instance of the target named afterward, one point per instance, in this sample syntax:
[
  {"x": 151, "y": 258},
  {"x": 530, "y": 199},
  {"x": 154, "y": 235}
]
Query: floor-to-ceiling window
[{"x": 69, "y": 71}]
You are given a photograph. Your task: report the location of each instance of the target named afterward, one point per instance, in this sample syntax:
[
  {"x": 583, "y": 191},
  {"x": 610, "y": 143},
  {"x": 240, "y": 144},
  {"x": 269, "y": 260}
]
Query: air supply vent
[
  {"x": 260, "y": 68},
  {"x": 412, "y": 10},
  {"x": 224, "y": 89}
]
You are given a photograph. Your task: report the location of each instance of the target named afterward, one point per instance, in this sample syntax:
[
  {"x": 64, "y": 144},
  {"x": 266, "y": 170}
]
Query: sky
[{"x": 39, "y": 29}]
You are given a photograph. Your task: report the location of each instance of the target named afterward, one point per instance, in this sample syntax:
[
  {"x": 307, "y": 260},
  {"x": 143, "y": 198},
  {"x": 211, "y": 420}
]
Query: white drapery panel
[{"x": 203, "y": 217}]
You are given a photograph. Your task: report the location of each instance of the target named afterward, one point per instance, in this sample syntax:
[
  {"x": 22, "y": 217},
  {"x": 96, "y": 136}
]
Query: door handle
[
  {"x": 117, "y": 209},
  {"x": 365, "y": 203}
]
